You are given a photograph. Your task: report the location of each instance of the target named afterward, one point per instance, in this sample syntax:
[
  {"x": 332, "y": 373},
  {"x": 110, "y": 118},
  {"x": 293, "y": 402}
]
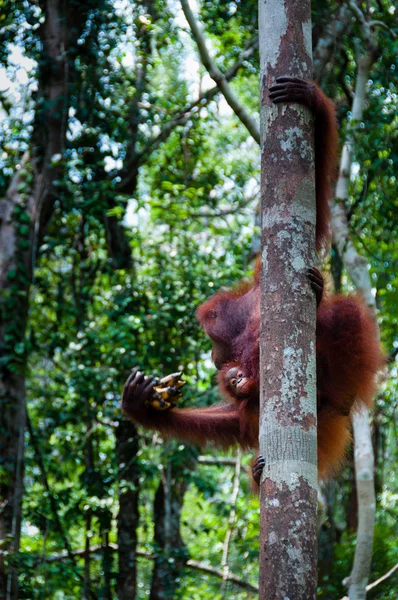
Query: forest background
[{"x": 130, "y": 192}]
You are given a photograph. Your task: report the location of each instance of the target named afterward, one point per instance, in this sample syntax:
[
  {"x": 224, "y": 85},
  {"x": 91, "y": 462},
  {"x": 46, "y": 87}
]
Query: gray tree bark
[
  {"x": 288, "y": 491},
  {"x": 364, "y": 477},
  {"x": 357, "y": 268}
]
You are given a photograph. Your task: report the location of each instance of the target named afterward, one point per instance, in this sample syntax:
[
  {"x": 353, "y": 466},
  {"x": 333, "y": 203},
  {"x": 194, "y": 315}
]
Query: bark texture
[
  {"x": 25, "y": 212},
  {"x": 364, "y": 476},
  {"x": 128, "y": 516},
  {"x": 288, "y": 543}
]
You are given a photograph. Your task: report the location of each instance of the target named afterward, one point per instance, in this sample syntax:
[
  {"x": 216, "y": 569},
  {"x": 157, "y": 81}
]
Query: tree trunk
[
  {"x": 378, "y": 447},
  {"x": 356, "y": 265},
  {"x": 364, "y": 469},
  {"x": 128, "y": 516},
  {"x": 25, "y": 212},
  {"x": 107, "y": 562},
  {"x": 288, "y": 538},
  {"x": 15, "y": 275},
  {"x": 170, "y": 549},
  {"x": 87, "y": 560},
  {"x": 352, "y": 502},
  {"x": 357, "y": 268},
  {"x": 327, "y": 533}
]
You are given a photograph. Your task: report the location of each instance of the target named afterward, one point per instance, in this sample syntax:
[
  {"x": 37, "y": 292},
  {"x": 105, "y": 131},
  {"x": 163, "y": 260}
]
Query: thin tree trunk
[
  {"x": 356, "y": 265},
  {"x": 25, "y": 212},
  {"x": 327, "y": 532},
  {"x": 364, "y": 474},
  {"x": 231, "y": 522},
  {"x": 14, "y": 283},
  {"x": 87, "y": 560},
  {"x": 12, "y": 426},
  {"x": 128, "y": 516},
  {"x": 170, "y": 549},
  {"x": 357, "y": 268},
  {"x": 352, "y": 503},
  {"x": 378, "y": 446},
  {"x": 90, "y": 468},
  {"x": 107, "y": 563},
  {"x": 288, "y": 492}
]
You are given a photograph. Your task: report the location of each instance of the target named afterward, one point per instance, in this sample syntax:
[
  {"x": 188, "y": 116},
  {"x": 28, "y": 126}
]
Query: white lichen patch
[
  {"x": 308, "y": 401},
  {"x": 282, "y": 237},
  {"x": 268, "y": 114},
  {"x": 306, "y": 150},
  {"x": 295, "y": 554},
  {"x": 304, "y": 114},
  {"x": 292, "y": 364},
  {"x": 273, "y": 23},
  {"x": 264, "y": 261},
  {"x": 307, "y": 35},
  {"x": 273, "y": 216},
  {"x": 298, "y": 264},
  {"x": 273, "y": 537},
  {"x": 290, "y": 138},
  {"x": 291, "y": 473},
  {"x": 274, "y": 502}
]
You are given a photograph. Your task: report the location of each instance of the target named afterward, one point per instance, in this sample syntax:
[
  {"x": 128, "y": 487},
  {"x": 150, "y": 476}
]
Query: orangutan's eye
[
  {"x": 233, "y": 382},
  {"x": 240, "y": 375}
]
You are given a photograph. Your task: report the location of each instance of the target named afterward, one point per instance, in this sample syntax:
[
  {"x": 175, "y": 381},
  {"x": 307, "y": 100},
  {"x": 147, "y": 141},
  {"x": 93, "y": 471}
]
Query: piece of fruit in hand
[{"x": 166, "y": 390}]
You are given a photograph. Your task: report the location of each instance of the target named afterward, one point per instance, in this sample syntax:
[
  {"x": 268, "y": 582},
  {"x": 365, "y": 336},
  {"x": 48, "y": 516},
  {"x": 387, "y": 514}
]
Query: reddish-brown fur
[
  {"x": 348, "y": 358},
  {"x": 348, "y": 353},
  {"x": 326, "y": 140},
  {"x": 290, "y": 89}
]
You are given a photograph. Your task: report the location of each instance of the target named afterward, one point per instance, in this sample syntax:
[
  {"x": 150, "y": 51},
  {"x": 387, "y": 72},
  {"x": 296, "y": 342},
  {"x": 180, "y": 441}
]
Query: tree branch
[
  {"x": 193, "y": 564},
  {"x": 372, "y": 585},
  {"x": 382, "y": 578},
  {"x": 225, "y": 212},
  {"x": 327, "y": 43},
  {"x": 219, "y": 77},
  {"x": 372, "y": 47},
  {"x": 180, "y": 118},
  {"x": 197, "y": 565},
  {"x": 384, "y": 26},
  {"x": 217, "y": 461}
]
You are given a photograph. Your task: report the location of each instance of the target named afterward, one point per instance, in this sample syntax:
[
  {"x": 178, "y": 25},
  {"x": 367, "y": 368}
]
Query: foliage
[{"x": 187, "y": 215}]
